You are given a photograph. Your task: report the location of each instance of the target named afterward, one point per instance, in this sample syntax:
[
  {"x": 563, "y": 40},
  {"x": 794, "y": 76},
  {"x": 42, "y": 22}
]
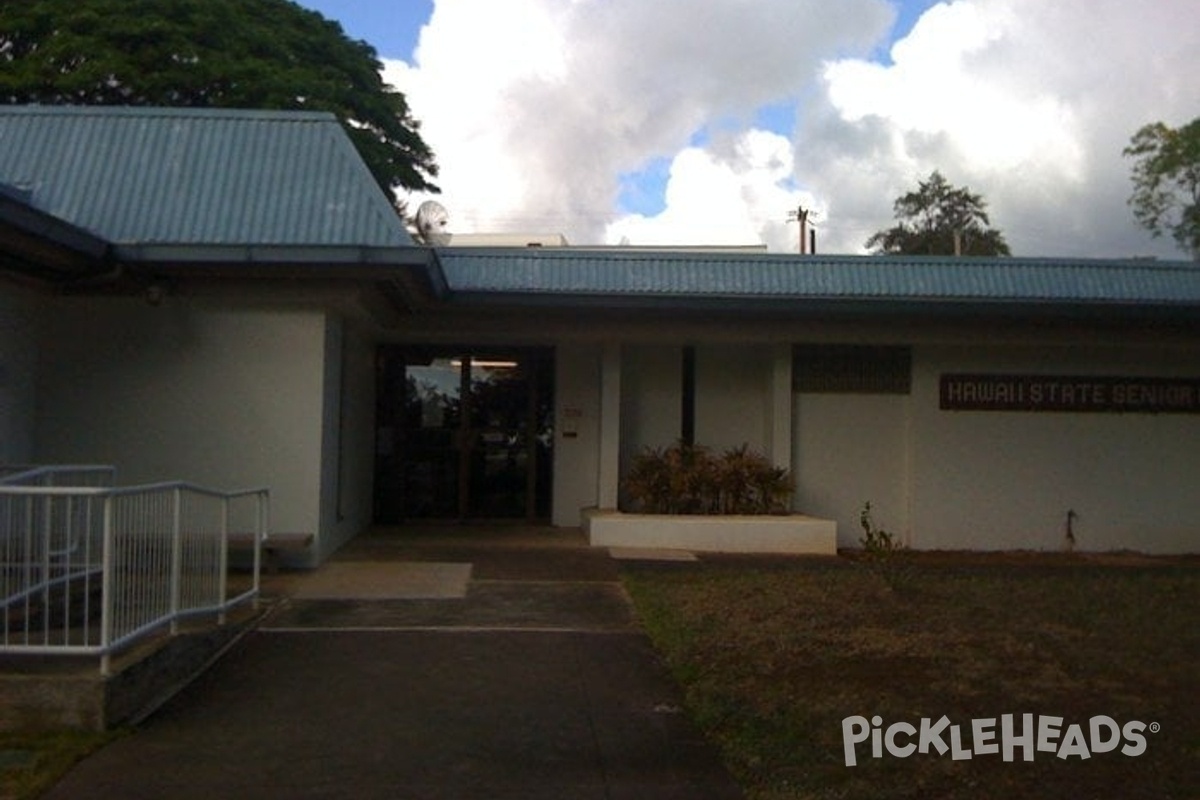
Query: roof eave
[
  {"x": 186, "y": 256},
  {"x": 839, "y": 306},
  {"x": 408, "y": 276},
  {"x": 41, "y": 246}
]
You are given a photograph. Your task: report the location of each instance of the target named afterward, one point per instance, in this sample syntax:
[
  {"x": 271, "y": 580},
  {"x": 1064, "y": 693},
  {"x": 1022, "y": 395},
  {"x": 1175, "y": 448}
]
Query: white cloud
[
  {"x": 734, "y": 193},
  {"x": 535, "y": 113},
  {"x": 935, "y": 86},
  {"x": 1028, "y": 103},
  {"x": 536, "y": 108}
]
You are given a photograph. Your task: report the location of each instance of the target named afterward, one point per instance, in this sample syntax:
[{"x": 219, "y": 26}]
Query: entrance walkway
[{"x": 521, "y": 675}]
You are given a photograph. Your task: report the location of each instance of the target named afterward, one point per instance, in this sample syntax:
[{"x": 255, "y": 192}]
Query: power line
[{"x": 807, "y": 237}]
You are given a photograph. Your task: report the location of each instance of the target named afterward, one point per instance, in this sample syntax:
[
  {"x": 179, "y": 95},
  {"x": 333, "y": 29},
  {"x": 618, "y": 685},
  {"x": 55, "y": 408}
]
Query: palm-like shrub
[{"x": 689, "y": 479}]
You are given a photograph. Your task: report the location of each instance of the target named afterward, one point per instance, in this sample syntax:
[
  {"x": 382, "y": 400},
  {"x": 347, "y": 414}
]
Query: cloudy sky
[{"x": 707, "y": 121}]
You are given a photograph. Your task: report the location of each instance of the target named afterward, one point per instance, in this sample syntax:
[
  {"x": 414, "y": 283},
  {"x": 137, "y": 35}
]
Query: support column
[
  {"x": 609, "y": 473},
  {"x": 779, "y": 407}
]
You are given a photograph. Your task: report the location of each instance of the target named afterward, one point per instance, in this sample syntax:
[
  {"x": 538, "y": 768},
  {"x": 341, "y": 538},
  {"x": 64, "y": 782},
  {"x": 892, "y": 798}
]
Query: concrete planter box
[{"x": 792, "y": 534}]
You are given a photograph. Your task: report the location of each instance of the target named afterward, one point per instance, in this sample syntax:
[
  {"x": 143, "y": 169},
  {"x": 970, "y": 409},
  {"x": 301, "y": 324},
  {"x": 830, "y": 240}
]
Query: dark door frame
[{"x": 466, "y": 437}]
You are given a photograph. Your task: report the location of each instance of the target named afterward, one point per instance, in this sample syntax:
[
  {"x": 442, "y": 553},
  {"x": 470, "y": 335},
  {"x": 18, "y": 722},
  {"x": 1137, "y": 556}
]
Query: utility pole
[{"x": 800, "y": 215}]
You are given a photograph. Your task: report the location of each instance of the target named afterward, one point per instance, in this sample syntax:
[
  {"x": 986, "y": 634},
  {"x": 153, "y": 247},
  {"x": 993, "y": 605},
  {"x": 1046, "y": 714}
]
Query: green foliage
[
  {"x": 1166, "y": 182},
  {"x": 881, "y": 553},
  {"x": 940, "y": 219},
  {"x": 689, "y": 479},
  {"x": 265, "y": 54},
  {"x": 876, "y": 541}
]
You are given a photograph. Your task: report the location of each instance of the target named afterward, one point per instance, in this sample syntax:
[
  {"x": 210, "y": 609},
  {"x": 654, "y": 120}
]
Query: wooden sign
[{"x": 1079, "y": 393}]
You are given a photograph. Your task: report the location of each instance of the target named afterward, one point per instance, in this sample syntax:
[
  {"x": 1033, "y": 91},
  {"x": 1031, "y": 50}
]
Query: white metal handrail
[
  {"x": 58, "y": 475},
  {"x": 88, "y": 570}
]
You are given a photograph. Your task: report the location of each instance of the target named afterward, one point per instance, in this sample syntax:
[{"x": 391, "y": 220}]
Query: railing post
[
  {"x": 106, "y": 588},
  {"x": 28, "y": 557},
  {"x": 260, "y": 532},
  {"x": 223, "y": 560},
  {"x": 47, "y": 505},
  {"x": 176, "y": 557},
  {"x": 68, "y": 556}
]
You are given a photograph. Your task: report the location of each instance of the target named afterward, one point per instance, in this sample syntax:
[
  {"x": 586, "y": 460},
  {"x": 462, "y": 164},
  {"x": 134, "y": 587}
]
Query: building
[{"x": 227, "y": 297}]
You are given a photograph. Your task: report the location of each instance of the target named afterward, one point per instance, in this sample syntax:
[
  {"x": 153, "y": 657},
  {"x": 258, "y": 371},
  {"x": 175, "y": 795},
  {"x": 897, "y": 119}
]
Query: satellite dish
[{"x": 432, "y": 219}]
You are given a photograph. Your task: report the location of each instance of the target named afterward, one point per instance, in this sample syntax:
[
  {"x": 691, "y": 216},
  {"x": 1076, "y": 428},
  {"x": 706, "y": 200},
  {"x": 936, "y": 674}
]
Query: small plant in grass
[
  {"x": 877, "y": 543},
  {"x": 881, "y": 550}
]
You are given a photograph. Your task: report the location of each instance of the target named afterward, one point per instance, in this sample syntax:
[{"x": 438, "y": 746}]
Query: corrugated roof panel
[
  {"x": 197, "y": 176},
  {"x": 645, "y": 274}
]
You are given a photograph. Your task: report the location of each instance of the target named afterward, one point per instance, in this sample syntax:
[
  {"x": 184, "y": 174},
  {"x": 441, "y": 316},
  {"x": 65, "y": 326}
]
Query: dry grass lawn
[
  {"x": 774, "y": 654},
  {"x": 30, "y": 763}
]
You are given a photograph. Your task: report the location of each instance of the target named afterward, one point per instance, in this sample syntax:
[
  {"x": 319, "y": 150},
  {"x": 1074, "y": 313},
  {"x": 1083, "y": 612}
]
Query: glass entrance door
[{"x": 464, "y": 434}]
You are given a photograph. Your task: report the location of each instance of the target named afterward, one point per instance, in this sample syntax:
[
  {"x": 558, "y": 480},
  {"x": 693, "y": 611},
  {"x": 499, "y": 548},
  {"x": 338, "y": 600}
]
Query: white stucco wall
[
  {"x": 225, "y": 398},
  {"x": 348, "y": 413},
  {"x": 992, "y": 480},
  {"x": 576, "y": 431},
  {"x": 1002, "y": 480},
  {"x": 851, "y": 449},
  {"x": 733, "y": 396},
  {"x": 18, "y": 360},
  {"x": 651, "y": 397}
]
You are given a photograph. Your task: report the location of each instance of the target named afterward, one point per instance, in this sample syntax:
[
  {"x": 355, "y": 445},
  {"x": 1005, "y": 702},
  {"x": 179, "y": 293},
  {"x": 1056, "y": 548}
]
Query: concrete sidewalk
[{"x": 532, "y": 680}]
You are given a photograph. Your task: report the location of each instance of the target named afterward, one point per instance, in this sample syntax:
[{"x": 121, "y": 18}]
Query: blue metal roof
[
  {"x": 207, "y": 186},
  {"x": 39, "y": 245},
  {"x": 683, "y": 276},
  {"x": 178, "y": 176}
]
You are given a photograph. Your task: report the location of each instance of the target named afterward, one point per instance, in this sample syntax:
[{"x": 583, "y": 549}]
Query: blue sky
[
  {"x": 689, "y": 122},
  {"x": 390, "y": 26}
]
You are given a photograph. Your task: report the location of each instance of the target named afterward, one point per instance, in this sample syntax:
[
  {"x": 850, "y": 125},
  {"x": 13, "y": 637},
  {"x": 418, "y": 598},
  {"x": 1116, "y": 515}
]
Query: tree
[
  {"x": 940, "y": 219},
  {"x": 1166, "y": 182},
  {"x": 268, "y": 54}
]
